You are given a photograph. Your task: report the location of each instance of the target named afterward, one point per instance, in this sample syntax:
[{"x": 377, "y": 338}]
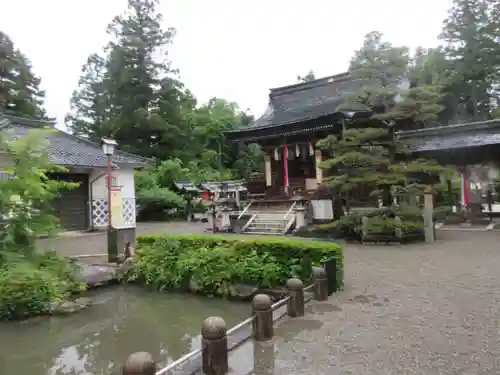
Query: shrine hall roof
[
  {"x": 451, "y": 137},
  {"x": 304, "y": 101}
]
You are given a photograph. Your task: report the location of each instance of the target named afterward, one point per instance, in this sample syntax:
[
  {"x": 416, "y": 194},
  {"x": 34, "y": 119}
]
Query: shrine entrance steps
[{"x": 271, "y": 217}]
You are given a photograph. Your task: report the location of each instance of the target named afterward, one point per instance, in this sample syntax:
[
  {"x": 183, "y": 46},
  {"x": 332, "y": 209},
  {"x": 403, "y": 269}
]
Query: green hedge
[{"x": 216, "y": 263}]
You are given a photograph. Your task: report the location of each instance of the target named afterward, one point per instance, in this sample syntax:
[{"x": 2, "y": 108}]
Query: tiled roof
[
  {"x": 304, "y": 101},
  {"x": 188, "y": 186},
  {"x": 68, "y": 150},
  {"x": 451, "y": 137}
]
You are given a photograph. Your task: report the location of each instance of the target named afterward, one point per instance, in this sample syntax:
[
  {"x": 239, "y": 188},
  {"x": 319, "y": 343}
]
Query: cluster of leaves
[
  {"x": 20, "y": 93},
  {"x": 364, "y": 153},
  {"x": 383, "y": 223},
  {"x": 26, "y": 191},
  {"x": 29, "y": 281},
  {"x": 215, "y": 264}
]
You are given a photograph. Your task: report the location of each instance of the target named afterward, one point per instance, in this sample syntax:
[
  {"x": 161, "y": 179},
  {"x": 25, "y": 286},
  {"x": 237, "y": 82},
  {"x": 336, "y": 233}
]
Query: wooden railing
[{"x": 216, "y": 343}]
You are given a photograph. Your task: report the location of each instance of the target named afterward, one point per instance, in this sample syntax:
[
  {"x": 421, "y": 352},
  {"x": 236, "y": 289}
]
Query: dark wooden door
[{"x": 71, "y": 206}]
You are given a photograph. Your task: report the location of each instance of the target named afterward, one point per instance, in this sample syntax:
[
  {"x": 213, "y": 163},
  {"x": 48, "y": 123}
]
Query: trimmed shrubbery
[{"x": 215, "y": 264}]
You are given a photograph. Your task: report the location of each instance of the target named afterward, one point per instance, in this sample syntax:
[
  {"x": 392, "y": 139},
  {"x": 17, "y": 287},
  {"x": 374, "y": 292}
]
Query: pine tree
[
  {"x": 364, "y": 155},
  {"x": 20, "y": 92},
  {"x": 137, "y": 66},
  {"x": 90, "y": 111}
]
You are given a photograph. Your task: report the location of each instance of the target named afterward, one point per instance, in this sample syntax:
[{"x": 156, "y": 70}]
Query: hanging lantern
[
  {"x": 311, "y": 150},
  {"x": 297, "y": 150},
  {"x": 276, "y": 155}
]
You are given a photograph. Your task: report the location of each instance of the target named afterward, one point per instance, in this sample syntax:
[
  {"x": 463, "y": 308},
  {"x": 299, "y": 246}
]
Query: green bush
[
  {"x": 29, "y": 284},
  {"x": 381, "y": 225},
  {"x": 215, "y": 264}
]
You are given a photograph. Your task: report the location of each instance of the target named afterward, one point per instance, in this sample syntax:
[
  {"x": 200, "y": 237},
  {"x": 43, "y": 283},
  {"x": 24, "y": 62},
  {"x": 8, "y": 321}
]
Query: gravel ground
[{"x": 418, "y": 309}]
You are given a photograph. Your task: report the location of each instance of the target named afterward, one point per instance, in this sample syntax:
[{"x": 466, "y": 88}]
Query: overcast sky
[{"x": 232, "y": 49}]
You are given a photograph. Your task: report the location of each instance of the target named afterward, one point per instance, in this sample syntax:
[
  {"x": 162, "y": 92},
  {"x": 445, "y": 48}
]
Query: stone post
[
  {"x": 140, "y": 363},
  {"x": 300, "y": 216},
  {"x": 320, "y": 284},
  {"x": 225, "y": 220},
  {"x": 262, "y": 325},
  {"x": 330, "y": 266},
  {"x": 214, "y": 346},
  {"x": 398, "y": 231},
  {"x": 364, "y": 227},
  {"x": 428, "y": 214},
  {"x": 295, "y": 306}
]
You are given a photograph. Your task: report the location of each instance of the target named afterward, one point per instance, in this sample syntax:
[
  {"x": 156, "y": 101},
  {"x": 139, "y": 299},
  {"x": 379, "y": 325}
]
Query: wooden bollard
[
  {"x": 295, "y": 306},
  {"x": 262, "y": 325},
  {"x": 214, "y": 346},
  {"x": 140, "y": 363},
  {"x": 320, "y": 284}
]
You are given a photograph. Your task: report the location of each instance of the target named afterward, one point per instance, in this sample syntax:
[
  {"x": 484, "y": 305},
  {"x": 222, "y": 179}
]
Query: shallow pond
[{"x": 123, "y": 320}]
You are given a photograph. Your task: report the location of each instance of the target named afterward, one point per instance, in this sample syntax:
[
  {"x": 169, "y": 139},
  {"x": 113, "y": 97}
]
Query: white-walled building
[{"x": 84, "y": 207}]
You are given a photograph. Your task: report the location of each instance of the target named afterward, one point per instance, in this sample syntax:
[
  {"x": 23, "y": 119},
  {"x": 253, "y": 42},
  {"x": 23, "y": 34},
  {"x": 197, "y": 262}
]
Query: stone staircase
[{"x": 270, "y": 219}]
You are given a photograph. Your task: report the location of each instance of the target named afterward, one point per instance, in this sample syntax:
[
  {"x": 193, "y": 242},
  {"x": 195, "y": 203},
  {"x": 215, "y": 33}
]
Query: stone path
[{"x": 418, "y": 309}]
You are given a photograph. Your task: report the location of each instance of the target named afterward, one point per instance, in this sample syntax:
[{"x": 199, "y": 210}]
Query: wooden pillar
[
  {"x": 285, "y": 168},
  {"x": 267, "y": 169},
  {"x": 319, "y": 171}
]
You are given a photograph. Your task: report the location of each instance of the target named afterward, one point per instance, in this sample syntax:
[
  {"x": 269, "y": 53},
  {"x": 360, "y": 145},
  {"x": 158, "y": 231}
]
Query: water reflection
[{"x": 97, "y": 341}]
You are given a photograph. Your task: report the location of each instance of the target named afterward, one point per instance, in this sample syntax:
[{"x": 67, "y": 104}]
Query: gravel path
[{"x": 419, "y": 309}]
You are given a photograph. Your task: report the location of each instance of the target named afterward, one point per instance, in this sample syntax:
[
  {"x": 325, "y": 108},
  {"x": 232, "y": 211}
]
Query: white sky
[{"x": 232, "y": 49}]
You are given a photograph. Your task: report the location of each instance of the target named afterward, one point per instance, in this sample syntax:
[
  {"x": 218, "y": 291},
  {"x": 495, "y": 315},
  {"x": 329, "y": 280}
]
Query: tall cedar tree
[
  {"x": 364, "y": 154},
  {"x": 132, "y": 94},
  {"x": 20, "y": 92},
  {"x": 90, "y": 109},
  {"x": 121, "y": 95},
  {"x": 472, "y": 45}
]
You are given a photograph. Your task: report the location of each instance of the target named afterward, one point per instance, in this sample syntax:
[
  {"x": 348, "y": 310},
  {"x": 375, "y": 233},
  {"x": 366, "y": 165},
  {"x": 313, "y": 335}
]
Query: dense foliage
[
  {"x": 29, "y": 281},
  {"x": 131, "y": 93},
  {"x": 20, "y": 92},
  {"x": 215, "y": 264}
]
